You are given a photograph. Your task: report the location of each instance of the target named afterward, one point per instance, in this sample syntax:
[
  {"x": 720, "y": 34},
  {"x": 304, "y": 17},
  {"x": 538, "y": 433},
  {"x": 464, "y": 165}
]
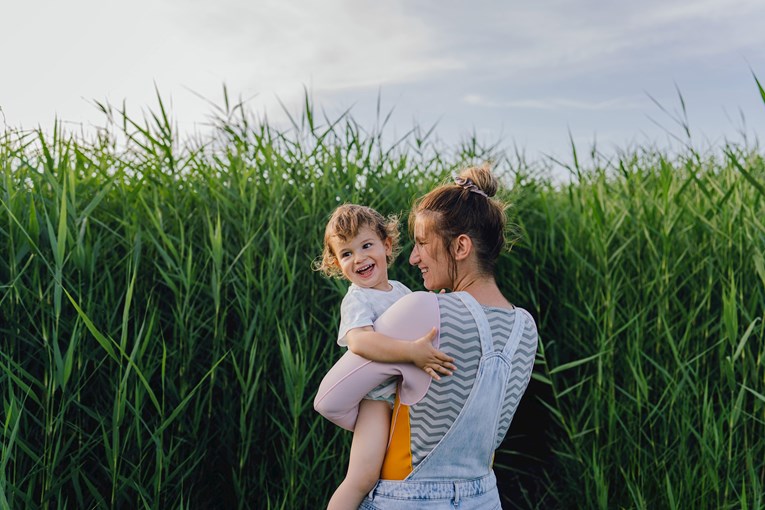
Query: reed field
[{"x": 163, "y": 334}]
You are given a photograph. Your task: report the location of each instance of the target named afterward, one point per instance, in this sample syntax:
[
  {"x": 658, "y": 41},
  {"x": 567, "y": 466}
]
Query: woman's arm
[{"x": 376, "y": 346}]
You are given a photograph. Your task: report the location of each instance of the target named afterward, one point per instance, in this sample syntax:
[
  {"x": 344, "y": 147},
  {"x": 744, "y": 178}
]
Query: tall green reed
[
  {"x": 164, "y": 334},
  {"x": 655, "y": 335}
]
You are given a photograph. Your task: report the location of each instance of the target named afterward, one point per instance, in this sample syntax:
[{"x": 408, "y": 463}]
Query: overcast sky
[{"x": 522, "y": 73}]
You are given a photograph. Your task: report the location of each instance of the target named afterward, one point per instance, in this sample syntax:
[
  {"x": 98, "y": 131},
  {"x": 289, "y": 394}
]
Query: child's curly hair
[{"x": 345, "y": 223}]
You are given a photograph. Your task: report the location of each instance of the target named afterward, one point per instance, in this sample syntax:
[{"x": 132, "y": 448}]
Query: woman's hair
[
  {"x": 345, "y": 223},
  {"x": 466, "y": 206}
]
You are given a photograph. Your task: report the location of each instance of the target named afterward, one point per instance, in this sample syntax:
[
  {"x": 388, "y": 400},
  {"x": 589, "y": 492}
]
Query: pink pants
[{"x": 352, "y": 377}]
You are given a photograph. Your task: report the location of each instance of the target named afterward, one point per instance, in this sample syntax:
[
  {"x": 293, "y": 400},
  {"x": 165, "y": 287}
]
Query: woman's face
[{"x": 429, "y": 255}]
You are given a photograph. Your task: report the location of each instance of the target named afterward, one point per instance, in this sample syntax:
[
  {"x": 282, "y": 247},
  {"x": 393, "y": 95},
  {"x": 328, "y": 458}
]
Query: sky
[{"x": 523, "y": 75}]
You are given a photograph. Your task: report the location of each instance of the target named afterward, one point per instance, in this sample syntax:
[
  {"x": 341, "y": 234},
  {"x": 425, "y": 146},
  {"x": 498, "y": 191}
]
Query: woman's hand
[{"x": 430, "y": 359}]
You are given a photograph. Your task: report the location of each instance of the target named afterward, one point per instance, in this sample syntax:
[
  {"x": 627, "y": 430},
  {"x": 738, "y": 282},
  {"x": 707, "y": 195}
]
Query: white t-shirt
[{"x": 362, "y": 306}]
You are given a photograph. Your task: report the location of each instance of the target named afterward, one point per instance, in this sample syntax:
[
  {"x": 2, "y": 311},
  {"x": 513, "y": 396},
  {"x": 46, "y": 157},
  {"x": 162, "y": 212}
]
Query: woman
[{"x": 442, "y": 444}]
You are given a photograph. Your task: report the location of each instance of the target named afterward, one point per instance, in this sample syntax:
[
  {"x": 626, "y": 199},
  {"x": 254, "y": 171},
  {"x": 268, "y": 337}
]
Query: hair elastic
[{"x": 469, "y": 185}]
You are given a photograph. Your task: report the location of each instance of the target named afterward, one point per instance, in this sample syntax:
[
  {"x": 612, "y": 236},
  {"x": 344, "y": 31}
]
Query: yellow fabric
[{"x": 398, "y": 459}]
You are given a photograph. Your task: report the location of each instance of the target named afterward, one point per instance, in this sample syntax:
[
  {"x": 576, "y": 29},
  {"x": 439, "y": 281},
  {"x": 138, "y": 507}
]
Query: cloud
[
  {"x": 463, "y": 63},
  {"x": 266, "y": 48},
  {"x": 329, "y": 45},
  {"x": 539, "y": 40},
  {"x": 620, "y": 103}
]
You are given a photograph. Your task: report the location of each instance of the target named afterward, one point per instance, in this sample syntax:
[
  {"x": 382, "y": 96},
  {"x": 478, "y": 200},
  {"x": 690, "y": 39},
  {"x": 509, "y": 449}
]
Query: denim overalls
[{"x": 457, "y": 473}]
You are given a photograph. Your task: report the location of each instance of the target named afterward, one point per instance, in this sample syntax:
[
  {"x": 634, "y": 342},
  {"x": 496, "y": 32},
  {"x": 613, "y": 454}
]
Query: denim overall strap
[
  {"x": 514, "y": 339},
  {"x": 467, "y": 448}
]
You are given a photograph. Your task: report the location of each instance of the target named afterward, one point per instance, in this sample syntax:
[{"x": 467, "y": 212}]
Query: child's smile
[{"x": 365, "y": 271}]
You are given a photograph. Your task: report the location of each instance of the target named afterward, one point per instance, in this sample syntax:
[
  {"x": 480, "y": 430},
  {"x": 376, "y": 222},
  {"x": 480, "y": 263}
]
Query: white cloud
[
  {"x": 465, "y": 63},
  {"x": 557, "y": 103},
  {"x": 83, "y": 50},
  {"x": 329, "y": 45},
  {"x": 555, "y": 38}
]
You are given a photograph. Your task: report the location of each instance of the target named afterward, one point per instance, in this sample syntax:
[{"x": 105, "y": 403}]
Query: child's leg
[{"x": 370, "y": 440}]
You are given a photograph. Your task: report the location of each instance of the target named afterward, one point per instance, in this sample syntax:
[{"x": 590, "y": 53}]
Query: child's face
[{"x": 363, "y": 258}]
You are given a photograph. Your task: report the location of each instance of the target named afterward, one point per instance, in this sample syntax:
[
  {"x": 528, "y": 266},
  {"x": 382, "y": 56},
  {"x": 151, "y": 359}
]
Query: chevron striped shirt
[{"x": 432, "y": 417}]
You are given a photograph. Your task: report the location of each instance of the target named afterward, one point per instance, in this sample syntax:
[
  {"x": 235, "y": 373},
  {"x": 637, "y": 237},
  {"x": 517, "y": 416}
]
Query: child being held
[{"x": 359, "y": 243}]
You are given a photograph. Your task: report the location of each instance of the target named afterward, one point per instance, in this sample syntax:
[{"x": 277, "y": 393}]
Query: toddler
[{"x": 358, "y": 246}]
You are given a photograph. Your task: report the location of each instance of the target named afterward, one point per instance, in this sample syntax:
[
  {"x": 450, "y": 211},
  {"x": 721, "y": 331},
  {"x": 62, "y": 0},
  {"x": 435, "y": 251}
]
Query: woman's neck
[{"x": 484, "y": 289}]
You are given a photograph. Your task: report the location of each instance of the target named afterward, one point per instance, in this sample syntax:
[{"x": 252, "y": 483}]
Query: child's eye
[
  {"x": 345, "y": 254},
  {"x": 367, "y": 245}
]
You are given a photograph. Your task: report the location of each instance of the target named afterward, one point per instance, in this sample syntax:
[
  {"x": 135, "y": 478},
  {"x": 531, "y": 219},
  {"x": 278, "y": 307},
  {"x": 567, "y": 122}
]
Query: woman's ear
[{"x": 462, "y": 246}]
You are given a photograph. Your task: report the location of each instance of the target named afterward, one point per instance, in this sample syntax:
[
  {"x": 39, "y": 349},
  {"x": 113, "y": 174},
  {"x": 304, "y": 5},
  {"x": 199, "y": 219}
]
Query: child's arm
[{"x": 369, "y": 344}]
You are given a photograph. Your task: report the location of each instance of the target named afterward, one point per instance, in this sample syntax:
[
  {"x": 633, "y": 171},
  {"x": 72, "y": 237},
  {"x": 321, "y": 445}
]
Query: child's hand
[{"x": 430, "y": 359}]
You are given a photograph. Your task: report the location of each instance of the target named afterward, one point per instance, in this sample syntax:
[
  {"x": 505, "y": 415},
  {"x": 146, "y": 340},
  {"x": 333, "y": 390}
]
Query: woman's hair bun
[{"x": 482, "y": 178}]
